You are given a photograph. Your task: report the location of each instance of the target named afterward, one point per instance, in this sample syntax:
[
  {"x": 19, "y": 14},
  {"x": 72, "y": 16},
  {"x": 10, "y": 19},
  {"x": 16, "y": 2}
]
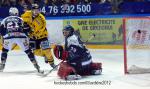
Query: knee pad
[{"x": 65, "y": 70}]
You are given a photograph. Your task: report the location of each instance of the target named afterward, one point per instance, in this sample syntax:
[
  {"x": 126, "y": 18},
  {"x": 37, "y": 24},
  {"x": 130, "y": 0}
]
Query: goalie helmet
[
  {"x": 13, "y": 11},
  {"x": 68, "y": 31}
]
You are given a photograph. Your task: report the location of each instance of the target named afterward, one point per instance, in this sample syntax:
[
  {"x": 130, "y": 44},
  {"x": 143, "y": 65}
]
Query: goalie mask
[{"x": 68, "y": 31}]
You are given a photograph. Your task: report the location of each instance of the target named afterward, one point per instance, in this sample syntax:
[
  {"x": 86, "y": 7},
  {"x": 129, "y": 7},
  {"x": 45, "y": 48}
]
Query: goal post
[{"x": 136, "y": 39}]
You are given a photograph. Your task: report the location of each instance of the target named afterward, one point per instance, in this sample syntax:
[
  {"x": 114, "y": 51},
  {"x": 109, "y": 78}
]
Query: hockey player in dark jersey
[
  {"x": 77, "y": 59},
  {"x": 12, "y": 31}
]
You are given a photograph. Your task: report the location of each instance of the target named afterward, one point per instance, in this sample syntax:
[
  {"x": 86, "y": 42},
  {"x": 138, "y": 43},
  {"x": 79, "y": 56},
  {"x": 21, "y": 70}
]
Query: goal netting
[{"x": 136, "y": 45}]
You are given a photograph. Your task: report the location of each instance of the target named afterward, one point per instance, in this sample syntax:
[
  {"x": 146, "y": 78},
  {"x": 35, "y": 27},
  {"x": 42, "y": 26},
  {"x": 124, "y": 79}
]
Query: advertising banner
[
  {"x": 65, "y": 10},
  {"x": 106, "y": 30}
]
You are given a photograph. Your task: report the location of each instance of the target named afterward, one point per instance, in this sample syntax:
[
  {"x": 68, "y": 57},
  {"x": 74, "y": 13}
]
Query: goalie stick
[{"x": 46, "y": 74}]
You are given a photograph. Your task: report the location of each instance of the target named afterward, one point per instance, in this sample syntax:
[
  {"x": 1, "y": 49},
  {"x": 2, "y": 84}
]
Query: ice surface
[{"x": 20, "y": 74}]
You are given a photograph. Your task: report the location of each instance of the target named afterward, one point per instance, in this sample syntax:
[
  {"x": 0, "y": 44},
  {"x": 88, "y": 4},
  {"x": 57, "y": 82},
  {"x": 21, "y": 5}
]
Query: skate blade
[{"x": 41, "y": 73}]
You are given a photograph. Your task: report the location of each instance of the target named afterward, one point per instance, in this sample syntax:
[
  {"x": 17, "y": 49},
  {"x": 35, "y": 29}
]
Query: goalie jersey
[
  {"x": 78, "y": 54},
  {"x": 37, "y": 24},
  {"x": 12, "y": 27}
]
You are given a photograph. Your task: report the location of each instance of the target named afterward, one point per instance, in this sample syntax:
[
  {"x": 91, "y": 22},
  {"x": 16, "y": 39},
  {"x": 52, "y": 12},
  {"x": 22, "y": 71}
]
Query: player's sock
[
  {"x": 3, "y": 59},
  {"x": 33, "y": 60}
]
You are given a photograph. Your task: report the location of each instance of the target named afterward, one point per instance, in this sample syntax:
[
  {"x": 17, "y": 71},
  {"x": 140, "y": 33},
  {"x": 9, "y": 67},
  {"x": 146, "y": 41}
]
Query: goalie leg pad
[
  {"x": 96, "y": 68},
  {"x": 65, "y": 70}
]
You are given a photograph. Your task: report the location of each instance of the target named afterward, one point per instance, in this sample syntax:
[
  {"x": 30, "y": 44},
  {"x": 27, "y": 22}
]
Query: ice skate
[
  {"x": 38, "y": 69},
  {"x": 2, "y": 66},
  {"x": 55, "y": 67}
]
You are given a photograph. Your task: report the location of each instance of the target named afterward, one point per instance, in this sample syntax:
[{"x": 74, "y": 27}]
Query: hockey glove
[{"x": 60, "y": 53}]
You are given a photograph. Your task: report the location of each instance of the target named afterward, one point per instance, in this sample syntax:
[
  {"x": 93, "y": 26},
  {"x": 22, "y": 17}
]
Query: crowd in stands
[
  {"x": 5, "y": 3},
  {"x": 116, "y": 6}
]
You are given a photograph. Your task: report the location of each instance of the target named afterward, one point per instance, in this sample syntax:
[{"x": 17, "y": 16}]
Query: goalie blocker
[{"x": 69, "y": 71}]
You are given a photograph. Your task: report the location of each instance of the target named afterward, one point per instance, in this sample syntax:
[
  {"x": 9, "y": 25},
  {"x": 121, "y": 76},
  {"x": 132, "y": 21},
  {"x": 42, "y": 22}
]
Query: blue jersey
[
  {"x": 12, "y": 27},
  {"x": 78, "y": 54}
]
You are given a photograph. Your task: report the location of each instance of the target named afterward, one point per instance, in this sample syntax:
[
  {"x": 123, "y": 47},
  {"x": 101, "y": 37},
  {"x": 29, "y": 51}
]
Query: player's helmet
[
  {"x": 35, "y": 6},
  {"x": 68, "y": 30},
  {"x": 35, "y": 9},
  {"x": 13, "y": 11}
]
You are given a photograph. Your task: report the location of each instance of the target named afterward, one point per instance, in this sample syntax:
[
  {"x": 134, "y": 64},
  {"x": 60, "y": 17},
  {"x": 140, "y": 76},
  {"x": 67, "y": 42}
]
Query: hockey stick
[
  {"x": 14, "y": 47},
  {"x": 91, "y": 37},
  {"x": 44, "y": 75}
]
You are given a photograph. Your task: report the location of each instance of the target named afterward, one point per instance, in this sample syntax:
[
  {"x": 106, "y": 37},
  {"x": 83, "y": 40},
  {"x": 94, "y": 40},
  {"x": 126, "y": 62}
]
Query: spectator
[
  {"x": 21, "y": 2},
  {"x": 86, "y": 1},
  {"x": 73, "y": 1},
  {"x": 46, "y": 2},
  {"x": 56, "y": 2},
  {"x": 29, "y": 2},
  {"x": 25, "y": 8},
  {"x": 97, "y": 1},
  {"x": 13, "y": 3},
  {"x": 5, "y": 3},
  {"x": 0, "y": 3},
  {"x": 106, "y": 7},
  {"x": 67, "y": 2}
]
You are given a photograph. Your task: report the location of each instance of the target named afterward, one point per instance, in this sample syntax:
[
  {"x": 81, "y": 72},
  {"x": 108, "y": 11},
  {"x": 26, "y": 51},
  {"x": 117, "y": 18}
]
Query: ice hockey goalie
[{"x": 77, "y": 61}]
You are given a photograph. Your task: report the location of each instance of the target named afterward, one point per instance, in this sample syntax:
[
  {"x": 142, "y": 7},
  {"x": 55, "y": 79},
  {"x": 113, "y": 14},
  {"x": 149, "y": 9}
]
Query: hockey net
[{"x": 136, "y": 45}]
